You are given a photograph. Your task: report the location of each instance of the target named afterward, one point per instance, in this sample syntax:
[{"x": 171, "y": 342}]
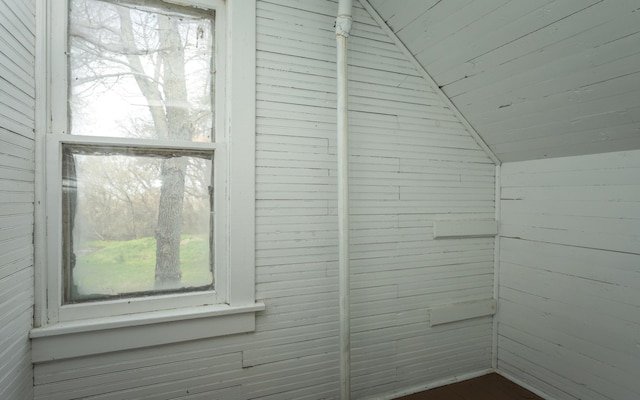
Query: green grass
[{"x": 116, "y": 267}]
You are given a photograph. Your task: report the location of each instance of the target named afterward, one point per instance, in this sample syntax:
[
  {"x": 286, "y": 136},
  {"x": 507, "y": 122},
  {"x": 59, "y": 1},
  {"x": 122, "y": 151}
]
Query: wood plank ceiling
[{"x": 536, "y": 78}]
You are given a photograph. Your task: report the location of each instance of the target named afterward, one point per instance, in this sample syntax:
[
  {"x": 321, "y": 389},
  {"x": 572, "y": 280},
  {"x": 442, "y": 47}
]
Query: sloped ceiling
[{"x": 535, "y": 78}]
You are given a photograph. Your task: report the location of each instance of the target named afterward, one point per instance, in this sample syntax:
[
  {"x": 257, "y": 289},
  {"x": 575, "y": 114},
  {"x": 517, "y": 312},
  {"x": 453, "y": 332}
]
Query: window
[
  {"x": 138, "y": 220},
  {"x": 149, "y": 173}
]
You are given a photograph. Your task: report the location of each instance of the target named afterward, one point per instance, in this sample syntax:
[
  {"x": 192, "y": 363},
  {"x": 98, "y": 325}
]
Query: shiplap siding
[
  {"x": 411, "y": 163},
  {"x": 569, "y": 307},
  {"x": 293, "y": 353},
  {"x": 17, "y": 116},
  {"x": 536, "y": 79}
]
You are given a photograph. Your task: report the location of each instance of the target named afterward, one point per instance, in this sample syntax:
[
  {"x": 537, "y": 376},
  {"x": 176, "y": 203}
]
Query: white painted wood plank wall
[
  {"x": 294, "y": 352},
  {"x": 536, "y": 79},
  {"x": 17, "y": 123},
  {"x": 411, "y": 163},
  {"x": 569, "y": 309}
]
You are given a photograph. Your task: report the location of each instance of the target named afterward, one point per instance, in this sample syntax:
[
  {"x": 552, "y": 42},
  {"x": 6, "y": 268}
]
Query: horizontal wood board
[
  {"x": 411, "y": 162},
  {"x": 17, "y": 123},
  {"x": 540, "y": 79},
  {"x": 568, "y": 319}
]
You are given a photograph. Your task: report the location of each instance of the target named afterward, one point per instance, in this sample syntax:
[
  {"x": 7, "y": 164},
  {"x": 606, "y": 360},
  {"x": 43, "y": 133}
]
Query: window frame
[
  {"x": 107, "y": 308},
  {"x": 71, "y": 330}
]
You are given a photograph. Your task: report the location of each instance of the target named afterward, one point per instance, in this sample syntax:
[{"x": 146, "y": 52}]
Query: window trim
[{"x": 56, "y": 339}]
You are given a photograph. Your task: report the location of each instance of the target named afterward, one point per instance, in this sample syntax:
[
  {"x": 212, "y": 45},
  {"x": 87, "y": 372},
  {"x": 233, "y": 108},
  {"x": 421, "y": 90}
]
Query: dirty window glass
[{"x": 140, "y": 70}]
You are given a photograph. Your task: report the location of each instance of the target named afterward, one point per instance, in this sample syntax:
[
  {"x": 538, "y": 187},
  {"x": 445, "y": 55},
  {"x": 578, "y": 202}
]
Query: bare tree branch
[{"x": 77, "y": 81}]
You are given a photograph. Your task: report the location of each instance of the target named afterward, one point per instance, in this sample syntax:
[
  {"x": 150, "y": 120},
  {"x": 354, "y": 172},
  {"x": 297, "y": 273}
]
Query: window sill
[{"x": 104, "y": 335}]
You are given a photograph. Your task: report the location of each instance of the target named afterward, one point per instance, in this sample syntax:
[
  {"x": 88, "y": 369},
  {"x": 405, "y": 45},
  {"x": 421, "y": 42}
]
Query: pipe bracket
[{"x": 343, "y": 25}]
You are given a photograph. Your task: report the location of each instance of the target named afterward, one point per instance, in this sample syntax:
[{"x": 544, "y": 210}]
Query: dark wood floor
[{"x": 488, "y": 387}]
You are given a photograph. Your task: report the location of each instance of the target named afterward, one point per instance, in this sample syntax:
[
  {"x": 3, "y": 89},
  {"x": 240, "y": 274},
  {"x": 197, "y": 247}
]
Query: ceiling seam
[{"x": 432, "y": 83}]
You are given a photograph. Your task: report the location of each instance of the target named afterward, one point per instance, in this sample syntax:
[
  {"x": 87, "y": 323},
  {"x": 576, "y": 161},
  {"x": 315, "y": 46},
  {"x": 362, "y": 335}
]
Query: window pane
[
  {"x": 135, "y": 223},
  {"x": 140, "y": 71}
]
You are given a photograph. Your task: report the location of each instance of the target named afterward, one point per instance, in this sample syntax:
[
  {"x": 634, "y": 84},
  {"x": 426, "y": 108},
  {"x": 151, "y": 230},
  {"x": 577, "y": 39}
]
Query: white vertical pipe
[
  {"x": 343, "y": 27},
  {"x": 344, "y": 10}
]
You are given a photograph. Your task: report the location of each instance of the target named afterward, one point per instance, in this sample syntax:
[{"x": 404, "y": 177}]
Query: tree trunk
[
  {"x": 172, "y": 122},
  {"x": 168, "y": 274},
  {"x": 168, "y": 233}
]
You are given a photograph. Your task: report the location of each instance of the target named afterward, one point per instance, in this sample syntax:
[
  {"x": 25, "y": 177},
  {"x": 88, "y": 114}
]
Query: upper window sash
[
  {"x": 141, "y": 70},
  {"x": 58, "y": 58}
]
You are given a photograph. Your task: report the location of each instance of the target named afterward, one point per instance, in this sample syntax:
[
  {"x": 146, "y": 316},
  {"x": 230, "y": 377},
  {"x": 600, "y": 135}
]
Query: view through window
[{"x": 137, "y": 208}]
